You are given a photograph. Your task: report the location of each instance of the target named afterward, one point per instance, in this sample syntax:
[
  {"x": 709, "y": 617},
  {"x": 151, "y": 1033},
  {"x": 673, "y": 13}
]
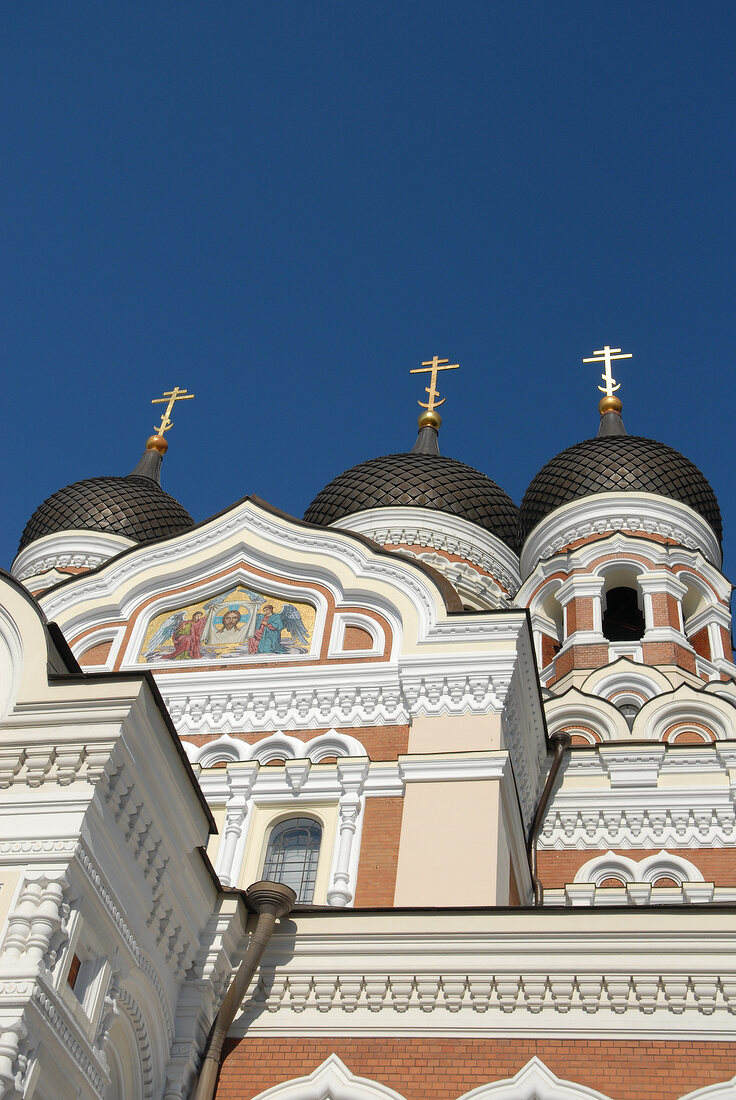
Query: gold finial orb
[
  {"x": 157, "y": 443},
  {"x": 609, "y": 404},
  {"x": 430, "y": 419}
]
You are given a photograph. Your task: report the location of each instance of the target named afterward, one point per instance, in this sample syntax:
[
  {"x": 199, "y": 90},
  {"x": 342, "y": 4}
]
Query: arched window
[
  {"x": 623, "y": 620},
  {"x": 292, "y": 855}
]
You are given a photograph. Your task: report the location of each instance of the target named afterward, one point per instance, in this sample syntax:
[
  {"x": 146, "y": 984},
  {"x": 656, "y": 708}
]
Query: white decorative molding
[
  {"x": 277, "y": 747},
  {"x": 341, "y": 621},
  {"x": 627, "y": 972},
  {"x": 640, "y": 893},
  {"x": 474, "y": 587},
  {"x": 64, "y": 549},
  {"x": 602, "y": 513},
  {"x": 330, "y": 1081},
  {"x": 663, "y": 798},
  {"x": 726, "y": 1090},
  {"x": 652, "y": 867},
  {"x": 398, "y": 526},
  {"x": 533, "y": 1082}
]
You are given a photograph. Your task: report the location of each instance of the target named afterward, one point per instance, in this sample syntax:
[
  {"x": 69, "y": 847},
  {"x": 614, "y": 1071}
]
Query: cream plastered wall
[
  {"x": 455, "y": 733},
  {"x": 503, "y": 864},
  {"x": 448, "y": 853},
  {"x": 264, "y": 816}
]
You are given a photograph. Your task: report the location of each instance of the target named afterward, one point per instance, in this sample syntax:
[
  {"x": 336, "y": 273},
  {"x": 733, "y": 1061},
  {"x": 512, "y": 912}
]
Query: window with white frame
[{"x": 292, "y": 855}]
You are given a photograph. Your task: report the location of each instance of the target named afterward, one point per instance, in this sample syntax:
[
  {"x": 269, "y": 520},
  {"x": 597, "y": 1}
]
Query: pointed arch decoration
[
  {"x": 330, "y": 1081},
  {"x": 534, "y": 1082}
]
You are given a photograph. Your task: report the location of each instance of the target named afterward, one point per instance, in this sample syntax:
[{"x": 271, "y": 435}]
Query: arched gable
[{"x": 330, "y": 1081}]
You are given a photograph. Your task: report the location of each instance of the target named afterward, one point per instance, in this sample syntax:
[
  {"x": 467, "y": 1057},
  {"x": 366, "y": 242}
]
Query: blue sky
[{"x": 284, "y": 207}]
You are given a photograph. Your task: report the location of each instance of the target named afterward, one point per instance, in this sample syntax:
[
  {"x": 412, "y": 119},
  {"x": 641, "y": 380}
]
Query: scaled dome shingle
[
  {"x": 617, "y": 464},
  {"x": 133, "y": 506},
  {"x": 418, "y": 481}
]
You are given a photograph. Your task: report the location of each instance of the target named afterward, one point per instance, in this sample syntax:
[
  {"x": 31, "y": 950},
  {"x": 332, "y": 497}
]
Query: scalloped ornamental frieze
[
  {"x": 454, "y": 535},
  {"x": 198, "y": 711},
  {"x": 553, "y": 999},
  {"x": 110, "y": 902},
  {"x": 606, "y": 512},
  {"x": 82, "y": 549},
  {"x": 641, "y": 827},
  {"x": 465, "y": 579},
  {"x": 244, "y": 519},
  {"x": 152, "y": 974},
  {"x": 138, "y": 1023},
  {"x": 19, "y": 851},
  {"x": 55, "y": 1014},
  {"x": 490, "y": 565},
  {"x": 359, "y": 695}
]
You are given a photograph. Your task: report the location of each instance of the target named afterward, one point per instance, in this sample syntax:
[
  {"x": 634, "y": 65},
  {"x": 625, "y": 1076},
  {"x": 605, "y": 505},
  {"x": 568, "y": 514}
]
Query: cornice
[
  {"x": 440, "y": 530},
  {"x": 608, "y": 512},
  {"x": 443, "y": 973},
  {"x": 78, "y": 549}
]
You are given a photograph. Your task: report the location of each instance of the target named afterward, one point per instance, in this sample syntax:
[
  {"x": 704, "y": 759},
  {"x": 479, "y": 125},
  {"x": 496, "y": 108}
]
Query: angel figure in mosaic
[
  {"x": 270, "y": 626},
  {"x": 178, "y": 638},
  {"x": 162, "y": 637}
]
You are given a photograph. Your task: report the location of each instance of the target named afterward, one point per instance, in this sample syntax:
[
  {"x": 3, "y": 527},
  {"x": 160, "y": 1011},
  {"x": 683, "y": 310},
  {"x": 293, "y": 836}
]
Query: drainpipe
[
  {"x": 560, "y": 742},
  {"x": 270, "y": 900}
]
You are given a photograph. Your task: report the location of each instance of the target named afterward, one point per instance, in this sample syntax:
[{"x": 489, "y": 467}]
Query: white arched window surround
[
  {"x": 373, "y": 629},
  {"x": 279, "y": 746},
  {"x": 658, "y": 865}
]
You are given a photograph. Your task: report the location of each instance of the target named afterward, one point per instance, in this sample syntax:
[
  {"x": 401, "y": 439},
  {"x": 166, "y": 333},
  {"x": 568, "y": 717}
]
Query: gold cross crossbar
[
  {"x": 606, "y": 355},
  {"x": 171, "y": 396},
  {"x": 433, "y": 365}
]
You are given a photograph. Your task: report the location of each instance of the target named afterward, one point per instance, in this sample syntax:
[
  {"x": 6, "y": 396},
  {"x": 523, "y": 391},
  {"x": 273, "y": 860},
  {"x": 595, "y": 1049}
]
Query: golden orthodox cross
[
  {"x": 606, "y": 355},
  {"x": 433, "y": 365},
  {"x": 171, "y": 396}
]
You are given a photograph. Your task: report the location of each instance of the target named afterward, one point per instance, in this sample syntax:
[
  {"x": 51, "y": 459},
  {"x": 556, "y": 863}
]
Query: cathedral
[{"x": 422, "y": 796}]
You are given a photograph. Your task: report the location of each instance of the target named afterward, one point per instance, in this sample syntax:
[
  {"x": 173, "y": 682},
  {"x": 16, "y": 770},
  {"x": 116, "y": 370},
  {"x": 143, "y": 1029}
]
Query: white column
[
  {"x": 352, "y": 777},
  {"x": 661, "y": 582},
  {"x": 240, "y": 778}
]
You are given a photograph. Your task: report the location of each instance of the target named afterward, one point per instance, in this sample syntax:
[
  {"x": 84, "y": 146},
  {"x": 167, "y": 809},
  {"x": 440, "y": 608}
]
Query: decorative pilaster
[
  {"x": 240, "y": 782},
  {"x": 352, "y": 777}
]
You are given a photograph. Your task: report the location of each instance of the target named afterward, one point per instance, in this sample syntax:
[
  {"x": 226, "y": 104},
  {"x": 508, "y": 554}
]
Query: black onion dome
[
  {"x": 417, "y": 480},
  {"x": 617, "y": 464},
  {"x": 135, "y": 507}
]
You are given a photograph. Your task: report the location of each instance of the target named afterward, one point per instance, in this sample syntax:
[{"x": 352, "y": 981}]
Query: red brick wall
[
  {"x": 444, "y": 1069},
  {"x": 379, "y": 851},
  {"x": 718, "y": 865},
  {"x": 701, "y": 643},
  {"x": 96, "y": 655},
  {"x": 665, "y": 653},
  {"x": 356, "y": 638},
  {"x": 581, "y": 656},
  {"x": 549, "y": 649}
]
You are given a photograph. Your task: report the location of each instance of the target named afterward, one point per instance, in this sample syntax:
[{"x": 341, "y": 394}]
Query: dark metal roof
[
  {"x": 617, "y": 464},
  {"x": 133, "y": 506},
  {"x": 417, "y": 480}
]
